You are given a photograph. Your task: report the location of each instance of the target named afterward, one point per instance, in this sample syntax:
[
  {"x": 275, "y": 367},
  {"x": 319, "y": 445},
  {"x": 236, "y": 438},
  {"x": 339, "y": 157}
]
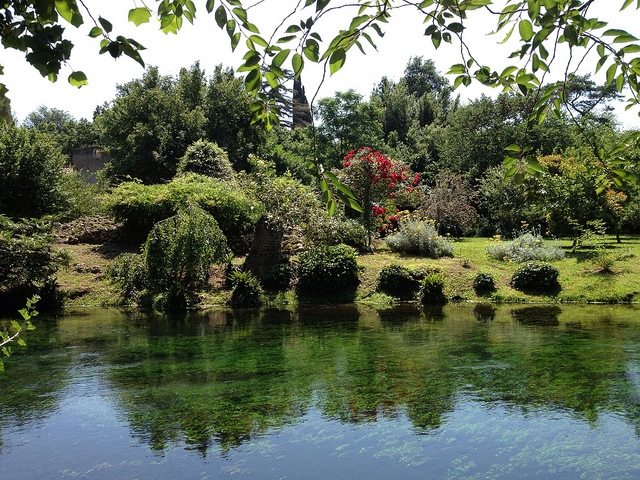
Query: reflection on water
[{"x": 327, "y": 392}]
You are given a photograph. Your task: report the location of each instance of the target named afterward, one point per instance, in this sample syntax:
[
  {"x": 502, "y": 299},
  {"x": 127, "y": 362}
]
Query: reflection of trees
[
  {"x": 538, "y": 315},
  {"x": 218, "y": 379}
]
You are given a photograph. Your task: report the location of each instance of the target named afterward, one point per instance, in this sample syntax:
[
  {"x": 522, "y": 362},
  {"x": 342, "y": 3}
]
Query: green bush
[
  {"x": 327, "y": 269},
  {"x": 278, "y": 278},
  {"x": 536, "y": 277},
  {"x": 175, "y": 260},
  {"x": 432, "y": 289},
  {"x": 181, "y": 249},
  {"x": 31, "y": 173},
  {"x": 398, "y": 281},
  {"x": 129, "y": 273},
  {"x": 28, "y": 264},
  {"x": 334, "y": 230},
  {"x": 81, "y": 198},
  {"x": 247, "y": 291},
  {"x": 527, "y": 246},
  {"x": 206, "y": 158},
  {"x": 139, "y": 206},
  {"x": 419, "y": 237},
  {"x": 484, "y": 283}
]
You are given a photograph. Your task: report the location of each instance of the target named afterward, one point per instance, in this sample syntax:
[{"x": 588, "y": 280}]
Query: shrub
[
  {"x": 28, "y": 263},
  {"x": 139, "y": 206},
  {"x": 398, "y": 281},
  {"x": 537, "y": 277},
  {"x": 247, "y": 291},
  {"x": 527, "y": 246},
  {"x": 449, "y": 204},
  {"x": 181, "y": 249},
  {"x": 279, "y": 277},
  {"x": 432, "y": 289},
  {"x": 604, "y": 260},
  {"x": 31, "y": 173},
  {"x": 206, "y": 158},
  {"x": 128, "y": 272},
  {"x": 327, "y": 269},
  {"x": 484, "y": 283},
  {"x": 81, "y": 198},
  {"x": 334, "y": 230},
  {"x": 175, "y": 260},
  {"x": 419, "y": 237}
]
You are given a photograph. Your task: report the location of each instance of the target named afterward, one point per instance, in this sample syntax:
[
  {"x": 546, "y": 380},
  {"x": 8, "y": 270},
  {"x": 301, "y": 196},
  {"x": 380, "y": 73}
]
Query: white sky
[{"x": 205, "y": 42}]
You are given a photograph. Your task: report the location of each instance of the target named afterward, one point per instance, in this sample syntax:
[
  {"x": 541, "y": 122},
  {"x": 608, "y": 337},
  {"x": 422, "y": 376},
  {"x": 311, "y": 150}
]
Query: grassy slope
[{"x": 86, "y": 286}]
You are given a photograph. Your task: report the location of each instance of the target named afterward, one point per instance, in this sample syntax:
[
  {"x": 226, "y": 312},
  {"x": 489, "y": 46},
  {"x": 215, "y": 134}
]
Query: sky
[{"x": 206, "y": 43}]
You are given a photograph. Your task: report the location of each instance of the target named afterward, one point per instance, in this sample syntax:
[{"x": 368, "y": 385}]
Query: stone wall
[{"x": 88, "y": 161}]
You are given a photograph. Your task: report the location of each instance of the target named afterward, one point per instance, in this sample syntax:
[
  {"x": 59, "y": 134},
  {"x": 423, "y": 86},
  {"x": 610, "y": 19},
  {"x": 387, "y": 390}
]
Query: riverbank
[{"x": 582, "y": 281}]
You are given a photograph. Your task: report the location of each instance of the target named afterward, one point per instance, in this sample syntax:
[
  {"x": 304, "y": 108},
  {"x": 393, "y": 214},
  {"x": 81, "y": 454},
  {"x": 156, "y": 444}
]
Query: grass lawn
[{"x": 580, "y": 279}]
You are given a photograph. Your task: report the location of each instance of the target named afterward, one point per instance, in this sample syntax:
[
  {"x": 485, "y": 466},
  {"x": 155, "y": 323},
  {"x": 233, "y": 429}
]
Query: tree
[
  {"x": 346, "y": 122},
  {"x": 148, "y": 127},
  {"x": 376, "y": 183},
  {"x": 301, "y": 111},
  {"x": 477, "y": 133},
  {"x": 31, "y": 173},
  {"x": 449, "y": 204},
  {"x": 68, "y": 132},
  {"x": 227, "y": 108},
  {"x": 543, "y": 28}
]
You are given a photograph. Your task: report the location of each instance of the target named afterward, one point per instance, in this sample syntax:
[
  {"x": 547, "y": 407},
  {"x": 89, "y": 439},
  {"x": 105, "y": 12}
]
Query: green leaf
[
  {"x": 257, "y": 39},
  {"x": 210, "y": 5},
  {"x": 624, "y": 39},
  {"x": 95, "y": 32},
  {"x": 455, "y": 27},
  {"x": 235, "y": 40},
  {"x": 298, "y": 64},
  {"x": 78, "y": 79},
  {"x": 106, "y": 24},
  {"x": 614, "y": 32},
  {"x": 357, "y": 21},
  {"x": 253, "y": 80},
  {"x": 634, "y": 48},
  {"x": 311, "y": 50},
  {"x": 626, "y": 4},
  {"x": 337, "y": 60},
  {"x": 321, "y": 4},
  {"x": 620, "y": 82},
  {"x": 457, "y": 69},
  {"x": 241, "y": 13},
  {"x": 571, "y": 35},
  {"x": 611, "y": 73},
  {"x": 271, "y": 79},
  {"x": 69, "y": 11},
  {"x": 139, "y": 16},
  {"x": 221, "y": 16},
  {"x": 280, "y": 58},
  {"x": 525, "y": 28},
  {"x": 292, "y": 29}
]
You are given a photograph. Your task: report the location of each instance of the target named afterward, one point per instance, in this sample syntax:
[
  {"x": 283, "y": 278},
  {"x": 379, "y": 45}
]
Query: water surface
[{"x": 327, "y": 392}]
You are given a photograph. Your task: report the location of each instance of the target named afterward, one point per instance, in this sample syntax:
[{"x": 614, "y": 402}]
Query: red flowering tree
[{"x": 379, "y": 184}]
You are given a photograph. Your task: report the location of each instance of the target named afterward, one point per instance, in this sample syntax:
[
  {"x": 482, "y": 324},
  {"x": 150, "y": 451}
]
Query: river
[{"x": 340, "y": 392}]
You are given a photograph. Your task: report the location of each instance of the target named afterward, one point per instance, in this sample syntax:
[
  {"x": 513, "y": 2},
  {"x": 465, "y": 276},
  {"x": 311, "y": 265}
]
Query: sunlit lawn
[{"x": 580, "y": 278}]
